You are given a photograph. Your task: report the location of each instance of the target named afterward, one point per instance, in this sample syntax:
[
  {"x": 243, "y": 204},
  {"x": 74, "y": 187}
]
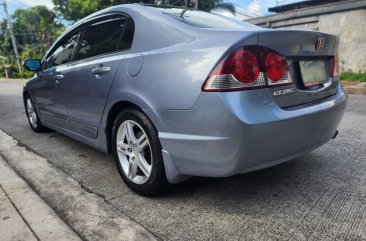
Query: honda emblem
[{"x": 319, "y": 44}]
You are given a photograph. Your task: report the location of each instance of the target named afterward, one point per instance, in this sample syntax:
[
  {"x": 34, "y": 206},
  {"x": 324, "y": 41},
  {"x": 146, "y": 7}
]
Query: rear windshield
[{"x": 204, "y": 19}]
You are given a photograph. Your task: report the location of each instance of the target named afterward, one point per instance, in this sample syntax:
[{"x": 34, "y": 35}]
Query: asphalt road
[{"x": 320, "y": 196}]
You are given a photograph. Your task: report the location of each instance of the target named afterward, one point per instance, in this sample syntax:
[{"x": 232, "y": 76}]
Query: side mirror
[{"x": 32, "y": 65}]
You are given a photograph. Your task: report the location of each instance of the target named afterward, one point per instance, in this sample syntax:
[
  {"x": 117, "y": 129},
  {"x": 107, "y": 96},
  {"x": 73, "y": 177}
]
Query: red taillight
[
  {"x": 276, "y": 66},
  {"x": 336, "y": 70},
  {"x": 243, "y": 69},
  {"x": 243, "y": 65}
]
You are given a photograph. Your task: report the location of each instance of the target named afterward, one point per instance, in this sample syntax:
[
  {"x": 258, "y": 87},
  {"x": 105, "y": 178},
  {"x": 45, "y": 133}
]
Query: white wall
[{"x": 350, "y": 26}]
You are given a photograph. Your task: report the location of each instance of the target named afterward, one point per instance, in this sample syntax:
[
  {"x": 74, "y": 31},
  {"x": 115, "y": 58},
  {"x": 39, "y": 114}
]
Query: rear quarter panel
[
  {"x": 176, "y": 60},
  {"x": 166, "y": 80},
  {"x": 169, "y": 78}
]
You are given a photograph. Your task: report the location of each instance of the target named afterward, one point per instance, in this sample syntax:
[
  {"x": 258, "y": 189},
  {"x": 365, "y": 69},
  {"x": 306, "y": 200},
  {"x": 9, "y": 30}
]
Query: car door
[
  {"x": 103, "y": 44},
  {"x": 52, "y": 87}
]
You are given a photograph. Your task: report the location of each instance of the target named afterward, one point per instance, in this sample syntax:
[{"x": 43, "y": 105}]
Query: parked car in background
[{"x": 175, "y": 92}]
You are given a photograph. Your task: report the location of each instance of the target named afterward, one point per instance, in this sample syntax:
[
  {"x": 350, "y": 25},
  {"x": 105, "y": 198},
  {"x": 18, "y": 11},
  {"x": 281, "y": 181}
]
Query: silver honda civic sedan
[{"x": 175, "y": 92}]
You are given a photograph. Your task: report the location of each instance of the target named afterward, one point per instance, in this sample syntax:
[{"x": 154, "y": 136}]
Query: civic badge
[{"x": 283, "y": 92}]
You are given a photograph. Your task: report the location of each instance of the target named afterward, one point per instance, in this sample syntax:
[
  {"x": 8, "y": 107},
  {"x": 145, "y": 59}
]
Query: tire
[
  {"x": 32, "y": 115},
  {"x": 137, "y": 153}
]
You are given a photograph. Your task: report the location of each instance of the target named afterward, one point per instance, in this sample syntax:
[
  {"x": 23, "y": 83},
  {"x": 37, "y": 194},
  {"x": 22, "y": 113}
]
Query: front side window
[
  {"x": 63, "y": 52},
  {"x": 101, "y": 38}
]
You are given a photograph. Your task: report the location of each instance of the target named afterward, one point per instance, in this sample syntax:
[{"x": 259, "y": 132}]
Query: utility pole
[{"x": 13, "y": 39}]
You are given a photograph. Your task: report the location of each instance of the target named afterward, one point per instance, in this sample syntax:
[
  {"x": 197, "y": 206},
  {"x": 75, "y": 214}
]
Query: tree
[
  {"x": 5, "y": 41},
  {"x": 35, "y": 28},
  {"x": 208, "y": 5},
  {"x": 74, "y": 10}
]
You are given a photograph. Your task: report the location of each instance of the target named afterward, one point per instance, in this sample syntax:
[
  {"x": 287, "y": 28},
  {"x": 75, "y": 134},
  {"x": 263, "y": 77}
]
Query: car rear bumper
[{"x": 225, "y": 134}]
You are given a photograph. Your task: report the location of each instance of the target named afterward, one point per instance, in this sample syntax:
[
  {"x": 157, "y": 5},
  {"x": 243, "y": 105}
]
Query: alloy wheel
[
  {"x": 32, "y": 115},
  {"x": 134, "y": 152}
]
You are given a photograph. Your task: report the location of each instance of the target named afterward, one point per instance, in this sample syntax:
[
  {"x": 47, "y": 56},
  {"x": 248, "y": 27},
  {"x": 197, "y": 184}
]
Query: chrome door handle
[
  {"x": 101, "y": 70},
  {"x": 58, "y": 77}
]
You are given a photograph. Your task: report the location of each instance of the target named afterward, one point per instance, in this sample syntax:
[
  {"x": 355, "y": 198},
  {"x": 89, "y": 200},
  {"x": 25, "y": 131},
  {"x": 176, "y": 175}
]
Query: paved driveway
[{"x": 320, "y": 196}]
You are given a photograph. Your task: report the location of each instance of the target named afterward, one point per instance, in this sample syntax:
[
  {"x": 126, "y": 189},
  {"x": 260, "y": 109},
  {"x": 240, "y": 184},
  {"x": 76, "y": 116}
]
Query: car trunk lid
[{"x": 309, "y": 55}]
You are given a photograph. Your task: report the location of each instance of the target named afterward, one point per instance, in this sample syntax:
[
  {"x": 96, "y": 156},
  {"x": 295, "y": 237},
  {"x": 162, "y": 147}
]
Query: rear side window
[
  {"x": 101, "y": 38},
  {"x": 127, "y": 36},
  {"x": 63, "y": 52}
]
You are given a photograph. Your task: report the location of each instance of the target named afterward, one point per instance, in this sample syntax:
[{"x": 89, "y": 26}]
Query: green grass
[{"x": 361, "y": 77}]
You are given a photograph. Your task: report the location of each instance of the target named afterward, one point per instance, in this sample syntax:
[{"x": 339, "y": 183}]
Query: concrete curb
[
  {"x": 352, "y": 87},
  {"x": 88, "y": 214},
  {"x": 12, "y": 226},
  {"x": 32, "y": 215}
]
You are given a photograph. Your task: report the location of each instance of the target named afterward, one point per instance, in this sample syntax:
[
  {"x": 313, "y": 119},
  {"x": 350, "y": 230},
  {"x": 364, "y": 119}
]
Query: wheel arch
[
  {"x": 25, "y": 93},
  {"x": 28, "y": 93},
  {"x": 112, "y": 115},
  {"x": 171, "y": 172}
]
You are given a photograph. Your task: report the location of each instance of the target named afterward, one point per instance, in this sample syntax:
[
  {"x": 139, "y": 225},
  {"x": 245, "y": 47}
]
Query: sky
[
  {"x": 15, "y": 4},
  {"x": 256, "y": 8},
  {"x": 251, "y": 7}
]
